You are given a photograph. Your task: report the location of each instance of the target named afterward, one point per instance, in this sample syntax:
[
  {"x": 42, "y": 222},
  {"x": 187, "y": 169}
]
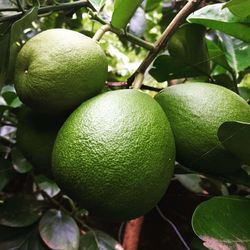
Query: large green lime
[
  {"x": 195, "y": 112},
  {"x": 35, "y": 136},
  {"x": 58, "y": 69},
  {"x": 115, "y": 154}
]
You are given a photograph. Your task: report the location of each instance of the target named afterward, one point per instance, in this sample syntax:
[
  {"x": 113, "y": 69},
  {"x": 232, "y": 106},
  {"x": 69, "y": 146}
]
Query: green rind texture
[
  {"x": 115, "y": 154},
  {"x": 58, "y": 69},
  {"x": 195, "y": 112}
]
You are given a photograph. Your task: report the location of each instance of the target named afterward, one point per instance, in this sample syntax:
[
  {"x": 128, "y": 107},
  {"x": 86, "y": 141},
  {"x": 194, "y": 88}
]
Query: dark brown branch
[
  {"x": 161, "y": 42},
  {"x": 126, "y": 85},
  {"x": 43, "y": 10}
]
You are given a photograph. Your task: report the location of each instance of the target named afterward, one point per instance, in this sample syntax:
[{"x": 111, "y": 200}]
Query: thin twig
[
  {"x": 122, "y": 34},
  {"x": 173, "y": 226},
  {"x": 161, "y": 42},
  {"x": 125, "y": 85},
  {"x": 64, "y": 6}
]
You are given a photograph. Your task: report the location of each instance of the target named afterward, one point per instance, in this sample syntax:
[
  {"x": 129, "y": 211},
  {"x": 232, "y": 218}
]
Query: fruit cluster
[{"x": 114, "y": 153}]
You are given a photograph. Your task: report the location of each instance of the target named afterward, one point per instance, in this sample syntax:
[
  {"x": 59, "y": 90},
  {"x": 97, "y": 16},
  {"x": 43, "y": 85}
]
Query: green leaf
[
  {"x": 17, "y": 30},
  {"x": 235, "y": 137},
  {"x": 20, "y": 211},
  {"x": 26, "y": 238},
  {"x": 236, "y": 51},
  {"x": 97, "y": 240},
  {"x": 152, "y": 4},
  {"x": 239, "y": 8},
  {"x": 244, "y": 92},
  {"x": 59, "y": 231},
  {"x": 47, "y": 185},
  {"x": 188, "y": 55},
  {"x": 6, "y": 173},
  {"x": 199, "y": 184},
  {"x": 97, "y": 4},
  {"x": 20, "y": 163},
  {"x": 123, "y": 11},
  {"x": 217, "y": 55},
  {"x": 8, "y": 92},
  {"x": 223, "y": 222},
  {"x": 215, "y": 17}
]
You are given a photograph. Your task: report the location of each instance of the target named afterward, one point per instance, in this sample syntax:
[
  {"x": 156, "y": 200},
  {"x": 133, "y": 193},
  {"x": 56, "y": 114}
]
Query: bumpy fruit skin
[
  {"x": 115, "y": 154},
  {"x": 58, "y": 69},
  {"x": 195, "y": 112},
  {"x": 35, "y": 137}
]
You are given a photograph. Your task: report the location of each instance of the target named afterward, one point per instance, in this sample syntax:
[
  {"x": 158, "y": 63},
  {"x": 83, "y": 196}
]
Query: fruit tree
[{"x": 124, "y": 124}]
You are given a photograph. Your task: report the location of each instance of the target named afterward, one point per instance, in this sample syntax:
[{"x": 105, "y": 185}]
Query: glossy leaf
[
  {"x": 239, "y": 8},
  {"x": 217, "y": 55},
  {"x": 223, "y": 222},
  {"x": 17, "y": 30},
  {"x": 20, "y": 211},
  {"x": 236, "y": 52},
  {"x": 188, "y": 55},
  {"x": 59, "y": 231},
  {"x": 47, "y": 185},
  {"x": 152, "y": 4},
  {"x": 123, "y": 11},
  {"x": 244, "y": 92},
  {"x": 216, "y": 17},
  {"x": 20, "y": 163},
  {"x": 199, "y": 184},
  {"x": 97, "y": 240},
  {"x": 235, "y": 136},
  {"x": 26, "y": 238},
  {"x": 97, "y": 4},
  {"x": 8, "y": 92}
]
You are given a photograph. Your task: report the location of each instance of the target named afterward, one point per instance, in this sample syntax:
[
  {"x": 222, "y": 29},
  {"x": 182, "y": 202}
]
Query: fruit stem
[
  {"x": 99, "y": 33},
  {"x": 132, "y": 234},
  {"x": 164, "y": 38},
  {"x": 137, "y": 83}
]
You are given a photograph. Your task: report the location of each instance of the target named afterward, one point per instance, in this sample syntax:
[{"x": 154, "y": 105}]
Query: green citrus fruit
[
  {"x": 35, "y": 136},
  {"x": 115, "y": 154},
  {"x": 58, "y": 69},
  {"x": 195, "y": 112}
]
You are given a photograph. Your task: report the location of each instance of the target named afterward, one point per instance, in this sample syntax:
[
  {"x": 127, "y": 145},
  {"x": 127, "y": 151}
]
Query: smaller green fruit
[
  {"x": 36, "y": 134},
  {"x": 195, "y": 112}
]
